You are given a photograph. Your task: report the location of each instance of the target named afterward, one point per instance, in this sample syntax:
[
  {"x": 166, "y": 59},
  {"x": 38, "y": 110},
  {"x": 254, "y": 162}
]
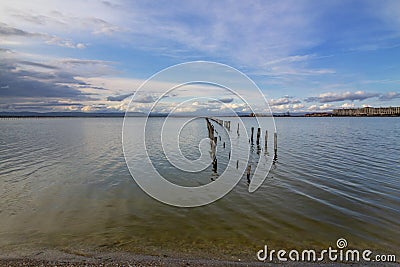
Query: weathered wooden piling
[
  {"x": 266, "y": 140},
  {"x": 227, "y": 125},
  {"x": 275, "y": 145},
  {"x": 252, "y": 133},
  {"x": 215, "y": 140},
  {"x": 223, "y": 144},
  {"x": 210, "y": 129},
  {"x": 258, "y": 136},
  {"x": 248, "y": 173},
  {"x": 215, "y": 165},
  {"x": 237, "y": 164},
  {"x": 238, "y": 130},
  {"x": 213, "y": 149}
]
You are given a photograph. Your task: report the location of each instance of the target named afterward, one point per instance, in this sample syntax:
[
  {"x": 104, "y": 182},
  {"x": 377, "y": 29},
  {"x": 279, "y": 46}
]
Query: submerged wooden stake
[
  {"x": 258, "y": 135},
  {"x": 275, "y": 145},
  {"x": 238, "y": 130},
  {"x": 252, "y": 133},
  {"x": 215, "y": 165},
  {"x": 266, "y": 140},
  {"x": 248, "y": 173}
]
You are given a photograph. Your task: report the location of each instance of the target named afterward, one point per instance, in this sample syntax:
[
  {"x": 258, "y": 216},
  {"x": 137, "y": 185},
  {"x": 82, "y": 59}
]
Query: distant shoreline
[
  {"x": 122, "y": 115},
  {"x": 78, "y": 114}
]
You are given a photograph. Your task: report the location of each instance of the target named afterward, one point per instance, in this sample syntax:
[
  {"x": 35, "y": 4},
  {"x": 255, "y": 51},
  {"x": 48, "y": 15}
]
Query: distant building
[{"x": 367, "y": 111}]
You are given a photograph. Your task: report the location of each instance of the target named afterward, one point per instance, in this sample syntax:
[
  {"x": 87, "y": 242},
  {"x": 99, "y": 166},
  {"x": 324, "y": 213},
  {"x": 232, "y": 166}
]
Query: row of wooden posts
[{"x": 227, "y": 124}]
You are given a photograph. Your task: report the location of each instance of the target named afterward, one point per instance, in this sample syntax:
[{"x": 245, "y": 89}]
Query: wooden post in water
[
  {"x": 258, "y": 136},
  {"x": 275, "y": 145},
  {"x": 215, "y": 140},
  {"x": 251, "y": 137},
  {"x": 237, "y": 164},
  {"x": 223, "y": 144},
  {"x": 215, "y": 165},
  {"x": 238, "y": 130},
  {"x": 248, "y": 173},
  {"x": 266, "y": 140},
  {"x": 210, "y": 129}
]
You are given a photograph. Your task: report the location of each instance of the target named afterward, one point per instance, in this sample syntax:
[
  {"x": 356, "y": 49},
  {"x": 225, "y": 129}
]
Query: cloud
[
  {"x": 335, "y": 97},
  {"x": 27, "y": 80},
  {"x": 143, "y": 99},
  {"x": 312, "y": 107},
  {"x": 119, "y": 97},
  {"x": 283, "y": 101},
  {"x": 282, "y": 107},
  {"x": 223, "y": 100},
  {"x": 31, "y": 84},
  {"x": 389, "y": 96},
  {"x": 347, "y": 105},
  {"x": 280, "y": 101},
  {"x": 324, "y": 107},
  {"x": 298, "y": 106},
  {"x": 36, "y": 64},
  {"x": 8, "y": 31}
]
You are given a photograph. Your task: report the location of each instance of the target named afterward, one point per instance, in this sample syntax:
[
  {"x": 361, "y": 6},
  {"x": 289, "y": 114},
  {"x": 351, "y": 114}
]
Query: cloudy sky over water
[{"x": 304, "y": 55}]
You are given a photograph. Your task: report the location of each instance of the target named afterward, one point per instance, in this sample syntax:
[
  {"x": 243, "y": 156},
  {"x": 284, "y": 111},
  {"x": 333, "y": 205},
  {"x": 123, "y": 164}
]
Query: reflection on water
[{"x": 65, "y": 184}]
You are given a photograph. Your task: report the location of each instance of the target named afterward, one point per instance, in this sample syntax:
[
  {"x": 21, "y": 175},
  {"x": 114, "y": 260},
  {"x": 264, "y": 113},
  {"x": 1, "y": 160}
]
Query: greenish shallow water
[{"x": 65, "y": 185}]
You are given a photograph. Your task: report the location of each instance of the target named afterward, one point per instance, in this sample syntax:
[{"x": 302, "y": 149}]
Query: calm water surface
[{"x": 65, "y": 185}]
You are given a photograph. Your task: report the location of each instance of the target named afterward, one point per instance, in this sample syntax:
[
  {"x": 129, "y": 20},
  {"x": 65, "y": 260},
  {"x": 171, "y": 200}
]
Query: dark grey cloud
[
  {"x": 119, "y": 97},
  {"x": 335, "y": 97},
  {"x": 389, "y": 96},
  {"x": 39, "y": 106},
  {"x": 36, "y": 64},
  {"x": 18, "y": 82},
  {"x": 87, "y": 85}
]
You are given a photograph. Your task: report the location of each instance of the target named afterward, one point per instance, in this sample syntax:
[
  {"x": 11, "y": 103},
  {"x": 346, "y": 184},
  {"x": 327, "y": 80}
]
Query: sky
[{"x": 92, "y": 56}]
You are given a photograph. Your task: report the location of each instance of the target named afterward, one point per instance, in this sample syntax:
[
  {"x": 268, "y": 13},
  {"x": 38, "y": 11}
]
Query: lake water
[{"x": 65, "y": 185}]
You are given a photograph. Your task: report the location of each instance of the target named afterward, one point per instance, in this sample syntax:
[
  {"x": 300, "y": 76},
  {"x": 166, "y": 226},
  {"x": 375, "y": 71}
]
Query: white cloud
[
  {"x": 312, "y": 108},
  {"x": 325, "y": 106},
  {"x": 347, "y": 105},
  {"x": 298, "y": 106}
]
